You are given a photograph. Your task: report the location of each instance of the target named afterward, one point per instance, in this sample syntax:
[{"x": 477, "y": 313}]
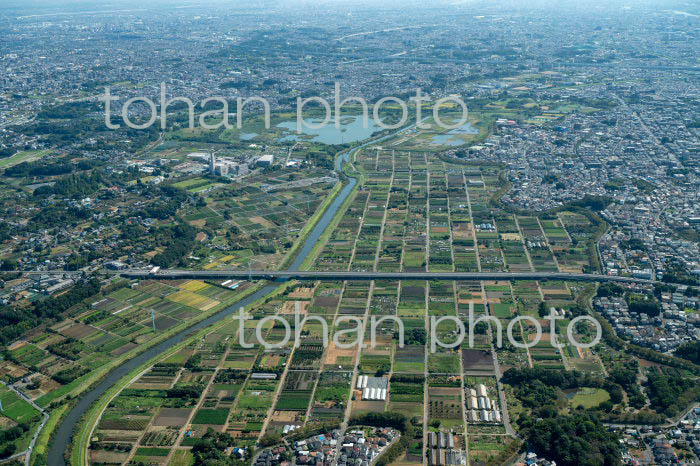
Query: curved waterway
[{"x": 62, "y": 437}]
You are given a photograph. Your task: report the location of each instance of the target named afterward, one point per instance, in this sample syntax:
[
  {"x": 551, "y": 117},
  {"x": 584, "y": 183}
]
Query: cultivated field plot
[
  {"x": 581, "y": 359},
  {"x": 296, "y": 392},
  {"x": 417, "y": 212},
  {"x": 240, "y": 358},
  {"x": 557, "y": 294},
  {"x": 485, "y": 448},
  {"x": 326, "y": 299},
  {"x": 528, "y": 297},
  {"x": 476, "y": 362},
  {"x": 577, "y": 256},
  {"x": 338, "y": 251},
  {"x": 331, "y": 397},
  {"x": 543, "y": 354},
  {"x": 413, "y": 211},
  {"x": 410, "y": 359},
  {"x": 112, "y": 325},
  {"x": 272, "y": 359},
  {"x": 511, "y": 243},
  {"x": 308, "y": 355},
  {"x": 209, "y": 385},
  {"x": 266, "y": 211},
  {"x": 16, "y": 412},
  {"x": 412, "y": 301},
  {"x": 378, "y": 359},
  {"x": 444, "y": 362},
  {"x": 469, "y": 297},
  {"x": 147, "y": 413},
  {"x": 445, "y": 405},
  {"x": 407, "y": 395},
  {"x": 355, "y": 299},
  {"x": 555, "y": 231},
  {"x": 537, "y": 245},
  {"x": 341, "y": 359},
  {"x": 195, "y": 390},
  {"x": 384, "y": 298},
  {"x": 441, "y": 299}
]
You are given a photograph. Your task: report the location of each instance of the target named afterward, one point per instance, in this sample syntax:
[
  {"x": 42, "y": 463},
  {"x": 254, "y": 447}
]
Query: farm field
[
  {"x": 414, "y": 212},
  {"x": 124, "y": 253},
  {"x": 110, "y": 325},
  {"x": 257, "y": 219}
]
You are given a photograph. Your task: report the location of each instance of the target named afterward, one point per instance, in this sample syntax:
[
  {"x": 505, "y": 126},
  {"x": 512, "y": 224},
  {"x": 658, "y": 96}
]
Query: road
[
  {"x": 63, "y": 436},
  {"x": 673, "y": 422},
  {"x": 173, "y": 274}
]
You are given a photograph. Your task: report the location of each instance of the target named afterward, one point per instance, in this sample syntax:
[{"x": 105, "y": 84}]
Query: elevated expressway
[{"x": 174, "y": 274}]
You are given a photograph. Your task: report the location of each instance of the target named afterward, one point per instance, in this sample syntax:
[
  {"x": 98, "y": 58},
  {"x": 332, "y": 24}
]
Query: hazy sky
[{"x": 54, "y": 6}]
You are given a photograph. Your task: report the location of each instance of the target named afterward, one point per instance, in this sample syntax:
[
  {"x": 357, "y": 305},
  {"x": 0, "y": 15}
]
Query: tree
[
  {"x": 481, "y": 328},
  {"x": 15, "y": 321},
  {"x": 268, "y": 440},
  {"x": 8, "y": 264},
  {"x": 578, "y": 440},
  {"x": 8, "y": 450},
  {"x": 670, "y": 392},
  {"x": 610, "y": 289},
  {"x": 643, "y": 304},
  {"x": 689, "y": 351}
]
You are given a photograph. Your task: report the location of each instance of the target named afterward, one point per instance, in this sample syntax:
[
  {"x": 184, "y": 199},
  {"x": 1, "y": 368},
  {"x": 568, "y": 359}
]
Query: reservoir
[{"x": 351, "y": 130}]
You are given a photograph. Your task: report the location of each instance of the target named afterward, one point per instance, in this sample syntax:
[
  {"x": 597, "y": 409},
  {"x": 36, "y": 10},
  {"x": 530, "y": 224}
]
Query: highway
[
  {"x": 174, "y": 274},
  {"x": 241, "y": 274},
  {"x": 64, "y": 435}
]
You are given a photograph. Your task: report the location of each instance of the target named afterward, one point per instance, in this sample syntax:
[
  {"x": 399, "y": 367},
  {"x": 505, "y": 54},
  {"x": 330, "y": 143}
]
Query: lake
[{"x": 351, "y": 130}]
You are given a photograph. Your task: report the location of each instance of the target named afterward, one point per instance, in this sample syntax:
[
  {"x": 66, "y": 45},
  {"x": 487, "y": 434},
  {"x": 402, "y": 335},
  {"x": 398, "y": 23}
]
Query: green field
[
  {"x": 152, "y": 451},
  {"x": 589, "y": 397},
  {"x": 182, "y": 458},
  {"x": 210, "y": 416},
  {"x": 14, "y": 407},
  {"x": 294, "y": 400},
  {"x": 26, "y": 156}
]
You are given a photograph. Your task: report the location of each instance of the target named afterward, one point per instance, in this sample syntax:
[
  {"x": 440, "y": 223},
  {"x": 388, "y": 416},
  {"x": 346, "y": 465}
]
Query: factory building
[{"x": 265, "y": 160}]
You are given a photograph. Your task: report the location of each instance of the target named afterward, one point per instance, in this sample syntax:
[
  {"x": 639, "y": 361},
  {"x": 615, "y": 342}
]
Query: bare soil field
[{"x": 172, "y": 417}]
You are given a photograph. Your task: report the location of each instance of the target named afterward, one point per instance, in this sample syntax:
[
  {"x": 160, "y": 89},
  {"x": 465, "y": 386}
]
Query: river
[{"x": 62, "y": 438}]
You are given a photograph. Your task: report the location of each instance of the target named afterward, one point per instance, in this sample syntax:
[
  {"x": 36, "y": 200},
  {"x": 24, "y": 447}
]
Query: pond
[
  {"x": 449, "y": 138},
  {"x": 351, "y": 130},
  {"x": 247, "y": 136}
]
